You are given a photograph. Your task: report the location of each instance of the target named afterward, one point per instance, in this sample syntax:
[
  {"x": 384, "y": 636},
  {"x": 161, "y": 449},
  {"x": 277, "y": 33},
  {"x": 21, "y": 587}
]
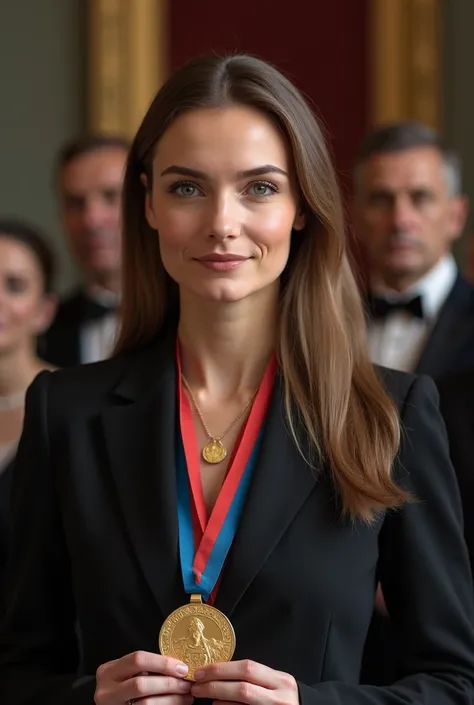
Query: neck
[
  {"x": 18, "y": 368},
  {"x": 225, "y": 348},
  {"x": 109, "y": 281},
  {"x": 401, "y": 282}
]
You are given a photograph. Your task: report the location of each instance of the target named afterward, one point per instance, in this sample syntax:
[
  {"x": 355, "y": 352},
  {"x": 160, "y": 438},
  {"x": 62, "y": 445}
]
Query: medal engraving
[
  {"x": 214, "y": 452},
  {"x": 197, "y": 634}
]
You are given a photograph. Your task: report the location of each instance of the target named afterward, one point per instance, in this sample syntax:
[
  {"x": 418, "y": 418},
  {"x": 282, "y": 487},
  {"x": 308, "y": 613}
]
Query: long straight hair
[{"x": 332, "y": 390}]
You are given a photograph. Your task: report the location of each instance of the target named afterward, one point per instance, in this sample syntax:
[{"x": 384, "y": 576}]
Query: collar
[
  {"x": 102, "y": 296},
  {"x": 434, "y": 287}
]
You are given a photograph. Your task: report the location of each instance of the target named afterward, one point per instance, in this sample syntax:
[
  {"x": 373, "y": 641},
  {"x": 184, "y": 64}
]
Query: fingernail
[
  {"x": 199, "y": 674},
  {"x": 182, "y": 669},
  {"x": 185, "y": 686}
]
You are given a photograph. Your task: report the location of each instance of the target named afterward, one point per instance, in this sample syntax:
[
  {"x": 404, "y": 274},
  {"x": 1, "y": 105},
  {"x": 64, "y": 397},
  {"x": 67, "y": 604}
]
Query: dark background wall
[
  {"x": 42, "y": 103},
  {"x": 458, "y": 103}
]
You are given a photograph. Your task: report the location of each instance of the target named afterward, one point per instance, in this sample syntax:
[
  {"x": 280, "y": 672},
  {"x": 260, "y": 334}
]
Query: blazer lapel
[
  {"x": 281, "y": 484},
  {"x": 140, "y": 443},
  {"x": 451, "y": 330}
]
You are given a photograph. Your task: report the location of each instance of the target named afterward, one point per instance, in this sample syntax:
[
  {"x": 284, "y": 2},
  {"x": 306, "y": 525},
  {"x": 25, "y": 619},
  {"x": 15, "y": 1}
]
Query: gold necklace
[{"x": 215, "y": 451}]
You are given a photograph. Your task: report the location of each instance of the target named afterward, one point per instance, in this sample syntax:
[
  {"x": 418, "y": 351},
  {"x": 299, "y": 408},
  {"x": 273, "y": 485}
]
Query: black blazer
[
  {"x": 450, "y": 345},
  {"x": 457, "y": 406},
  {"x": 95, "y": 539}
]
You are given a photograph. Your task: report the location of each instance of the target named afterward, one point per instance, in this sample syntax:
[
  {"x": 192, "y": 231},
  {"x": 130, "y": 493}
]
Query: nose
[
  {"x": 402, "y": 214},
  {"x": 224, "y": 218},
  {"x": 93, "y": 215}
]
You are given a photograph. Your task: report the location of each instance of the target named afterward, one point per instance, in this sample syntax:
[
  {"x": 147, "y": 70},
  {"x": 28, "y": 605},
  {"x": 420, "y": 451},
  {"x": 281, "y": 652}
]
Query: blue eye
[
  {"x": 186, "y": 189},
  {"x": 263, "y": 188}
]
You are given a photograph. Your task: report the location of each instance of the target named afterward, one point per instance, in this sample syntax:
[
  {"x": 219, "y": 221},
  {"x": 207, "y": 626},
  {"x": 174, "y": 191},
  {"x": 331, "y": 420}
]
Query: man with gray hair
[{"x": 409, "y": 209}]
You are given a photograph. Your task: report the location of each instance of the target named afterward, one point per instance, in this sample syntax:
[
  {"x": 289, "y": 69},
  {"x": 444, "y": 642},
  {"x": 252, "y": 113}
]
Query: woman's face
[
  {"x": 224, "y": 202},
  {"x": 25, "y": 310}
]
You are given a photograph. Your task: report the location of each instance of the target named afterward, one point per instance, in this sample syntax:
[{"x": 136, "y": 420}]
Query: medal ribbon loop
[{"x": 204, "y": 542}]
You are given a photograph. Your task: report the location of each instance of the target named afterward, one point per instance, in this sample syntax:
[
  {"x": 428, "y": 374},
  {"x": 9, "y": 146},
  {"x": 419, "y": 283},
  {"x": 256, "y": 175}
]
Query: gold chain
[{"x": 229, "y": 428}]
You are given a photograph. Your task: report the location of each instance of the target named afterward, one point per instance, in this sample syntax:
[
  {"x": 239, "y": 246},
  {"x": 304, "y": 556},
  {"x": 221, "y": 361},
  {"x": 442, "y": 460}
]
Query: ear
[
  {"x": 46, "y": 312},
  {"x": 149, "y": 213},
  {"x": 299, "y": 221},
  {"x": 458, "y": 216}
]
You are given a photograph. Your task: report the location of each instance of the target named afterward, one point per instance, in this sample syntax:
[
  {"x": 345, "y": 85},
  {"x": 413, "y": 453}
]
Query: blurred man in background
[
  {"x": 89, "y": 179},
  {"x": 409, "y": 209}
]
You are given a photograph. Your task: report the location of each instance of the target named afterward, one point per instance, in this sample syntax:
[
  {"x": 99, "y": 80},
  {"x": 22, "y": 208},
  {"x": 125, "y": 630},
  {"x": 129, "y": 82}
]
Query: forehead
[
  {"x": 236, "y": 137},
  {"x": 410, "y": 168},
  {"x": 96, "y": 169},
  {"x": 15, "y": 256}
]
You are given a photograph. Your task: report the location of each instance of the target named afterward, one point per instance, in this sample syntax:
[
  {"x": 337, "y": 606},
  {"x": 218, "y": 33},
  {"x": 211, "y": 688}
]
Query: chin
[
  {"x": 404, "y": 264},
  {"x": 223, "y": 294}
]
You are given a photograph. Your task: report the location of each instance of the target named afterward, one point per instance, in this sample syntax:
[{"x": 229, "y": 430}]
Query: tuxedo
[
  {"x": 457, "y": 406},
  {"x": 63, "y": 345},
  {"x": 95, "y": 543},
  {"x": 449, "y": 345}
]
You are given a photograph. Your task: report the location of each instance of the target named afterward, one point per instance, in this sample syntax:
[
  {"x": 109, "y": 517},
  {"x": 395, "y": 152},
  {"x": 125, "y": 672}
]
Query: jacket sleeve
[
  {"x": 39, "y": 653},
  {"x": 425, "y": 575}
]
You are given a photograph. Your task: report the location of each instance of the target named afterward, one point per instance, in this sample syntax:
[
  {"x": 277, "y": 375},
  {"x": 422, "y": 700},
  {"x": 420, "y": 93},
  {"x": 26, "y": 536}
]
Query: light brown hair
[{"x": 331, "y": 387}]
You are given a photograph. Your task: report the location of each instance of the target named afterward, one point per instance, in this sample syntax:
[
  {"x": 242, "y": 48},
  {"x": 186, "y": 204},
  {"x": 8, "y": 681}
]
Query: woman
[
  {"x": 239, "y": 461},
  {"x": 27, "y": 306}
]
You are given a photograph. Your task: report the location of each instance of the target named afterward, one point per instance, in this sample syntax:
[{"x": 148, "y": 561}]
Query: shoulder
[
  {"x": 86, "y": 389},
  {"x": 402, "y": 387},
  {"x": 72, "y": 389}
]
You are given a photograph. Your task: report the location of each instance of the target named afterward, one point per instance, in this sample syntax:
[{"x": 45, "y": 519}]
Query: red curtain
[{"x": 320, "y": 44}]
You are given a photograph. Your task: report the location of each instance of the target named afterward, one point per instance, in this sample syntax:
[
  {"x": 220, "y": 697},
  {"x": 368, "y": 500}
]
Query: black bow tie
[
  {"x": 380, "y": 308},
  {"x": 94, "y": 310}
]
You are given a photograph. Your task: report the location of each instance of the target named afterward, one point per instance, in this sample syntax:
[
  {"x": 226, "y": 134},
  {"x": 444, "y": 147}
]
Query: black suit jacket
[
  {"x": 95, "y": 539},
  {"x": 60, "y": 345},
  {"x": 5, "y": 490},
  {"x": 450, "y": 345},
  {"x": 457, "y": 406}
]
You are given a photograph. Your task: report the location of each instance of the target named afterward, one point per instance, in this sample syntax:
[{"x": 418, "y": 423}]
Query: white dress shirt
[
  {"x": 398, "y": 340},
  {"x": 97, "y": 337}
]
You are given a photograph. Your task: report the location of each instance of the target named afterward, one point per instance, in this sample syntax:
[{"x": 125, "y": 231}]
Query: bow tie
[
  {"x": 94, "y": 310},
  {"x": 380, "y": 308}
]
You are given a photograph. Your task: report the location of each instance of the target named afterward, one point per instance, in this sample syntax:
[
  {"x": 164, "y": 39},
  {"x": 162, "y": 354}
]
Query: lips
[
  {"x": 222, "y": 262},
  {"x": 222, "y": 258}
]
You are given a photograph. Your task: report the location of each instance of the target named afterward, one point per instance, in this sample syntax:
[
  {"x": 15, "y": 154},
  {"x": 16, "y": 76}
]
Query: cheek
[
  {"x": 23, "y": 310},
  {"x": 271, "y": 229}
]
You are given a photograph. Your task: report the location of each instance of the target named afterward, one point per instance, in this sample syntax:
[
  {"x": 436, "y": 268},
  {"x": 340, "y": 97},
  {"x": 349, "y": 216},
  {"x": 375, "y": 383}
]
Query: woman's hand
[
  {"x": 149, "y": 678},
  {"x": 245, "y": 682}
]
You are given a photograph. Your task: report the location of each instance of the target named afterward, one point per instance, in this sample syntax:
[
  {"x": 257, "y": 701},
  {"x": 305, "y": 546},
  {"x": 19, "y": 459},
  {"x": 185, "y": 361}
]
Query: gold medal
[
  {"x": 197, "y": 634},
  {"x": 214, "y": 451}
]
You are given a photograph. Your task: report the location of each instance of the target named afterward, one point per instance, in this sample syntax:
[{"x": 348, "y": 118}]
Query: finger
[
  {"x": 168, "y": 700},
  {"x": 139, "y": 662},
  {"x": 233, "y": 691},
  {"x": 144, "y": 686},
  {"x": 249, "y": 671}
]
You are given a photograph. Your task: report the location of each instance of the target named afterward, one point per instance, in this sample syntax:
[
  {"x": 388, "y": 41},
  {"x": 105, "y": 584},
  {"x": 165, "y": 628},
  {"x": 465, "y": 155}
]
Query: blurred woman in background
[{"x": 27, "y": 306}]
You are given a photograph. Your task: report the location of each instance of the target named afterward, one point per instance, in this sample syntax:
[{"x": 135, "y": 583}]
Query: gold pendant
[
  {"x": 197, "y": 634},
  {"x": 214, "y": 452}
]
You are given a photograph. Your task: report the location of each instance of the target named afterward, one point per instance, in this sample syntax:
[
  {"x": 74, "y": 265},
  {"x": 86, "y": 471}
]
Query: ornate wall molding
[
  {"x": 405, "y": 60},
  {"x": 126, "y": 61}
]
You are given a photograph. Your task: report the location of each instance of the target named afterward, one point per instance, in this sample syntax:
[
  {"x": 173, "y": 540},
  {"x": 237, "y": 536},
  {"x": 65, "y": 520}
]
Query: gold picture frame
[
  {"x": 126, "y": 62},
  {"x": 405, "y": 61}
]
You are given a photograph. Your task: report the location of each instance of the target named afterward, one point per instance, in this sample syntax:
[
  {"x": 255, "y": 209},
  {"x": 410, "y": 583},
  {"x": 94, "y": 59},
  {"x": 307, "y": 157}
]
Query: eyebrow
[{"x": 258, "y": 171}]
